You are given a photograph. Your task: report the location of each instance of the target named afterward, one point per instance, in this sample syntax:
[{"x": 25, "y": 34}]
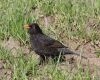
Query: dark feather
[{"x": 43, "y": 45}]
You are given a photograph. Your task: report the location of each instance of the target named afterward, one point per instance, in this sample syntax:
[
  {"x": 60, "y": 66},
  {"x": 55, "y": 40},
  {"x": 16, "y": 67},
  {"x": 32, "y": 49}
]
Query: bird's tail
[{"x": 69, "y": 52}]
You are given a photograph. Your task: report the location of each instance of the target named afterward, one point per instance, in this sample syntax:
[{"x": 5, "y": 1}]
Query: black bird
[{"x": 45, "y": 46}]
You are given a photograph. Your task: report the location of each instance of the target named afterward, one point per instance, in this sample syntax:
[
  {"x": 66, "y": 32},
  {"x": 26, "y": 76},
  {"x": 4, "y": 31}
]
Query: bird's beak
[{"x": 26, "y": 26}]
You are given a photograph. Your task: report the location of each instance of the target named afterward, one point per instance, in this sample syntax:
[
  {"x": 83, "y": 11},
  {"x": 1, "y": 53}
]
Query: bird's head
[{"x": 33, "y": 28}]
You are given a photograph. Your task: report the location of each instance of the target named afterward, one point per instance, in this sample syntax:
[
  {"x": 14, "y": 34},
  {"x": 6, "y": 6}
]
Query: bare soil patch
[{"x": 86, "y": 50}]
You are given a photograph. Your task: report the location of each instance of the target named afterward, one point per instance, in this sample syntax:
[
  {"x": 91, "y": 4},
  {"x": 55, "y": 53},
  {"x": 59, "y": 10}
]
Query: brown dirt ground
[{"x": 86, "y": 49}]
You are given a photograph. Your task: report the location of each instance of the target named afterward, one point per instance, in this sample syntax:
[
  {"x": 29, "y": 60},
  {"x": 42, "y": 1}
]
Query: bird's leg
[{"x": 43, "y": 59}]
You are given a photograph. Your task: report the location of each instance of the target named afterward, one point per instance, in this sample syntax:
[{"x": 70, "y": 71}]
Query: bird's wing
[{"x": 50, "y": 42}]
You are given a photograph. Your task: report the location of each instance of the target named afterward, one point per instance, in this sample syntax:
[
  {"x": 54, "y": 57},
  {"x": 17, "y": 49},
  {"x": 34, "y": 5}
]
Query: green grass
[
  {"x": 26, "y": 68},
  {"x": 71, "y": 21},
  {"x": 72, "y": 17}
]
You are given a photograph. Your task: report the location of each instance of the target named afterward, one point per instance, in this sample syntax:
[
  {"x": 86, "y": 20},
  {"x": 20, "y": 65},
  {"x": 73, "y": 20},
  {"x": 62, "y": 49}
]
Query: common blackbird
[{"x": 44, "y": 45}]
